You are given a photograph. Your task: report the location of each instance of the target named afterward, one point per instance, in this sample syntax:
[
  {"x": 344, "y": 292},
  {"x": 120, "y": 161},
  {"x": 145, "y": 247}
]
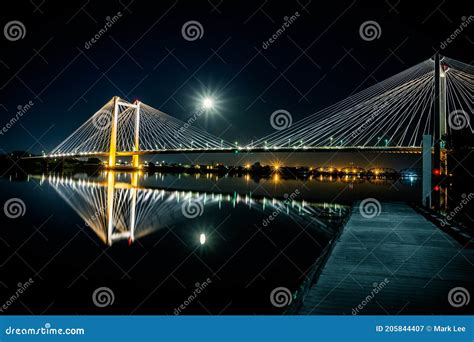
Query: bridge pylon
[
  {"x": 117, "y": 103},
  {"x": 136, "y": 144},
  {"x": 113, "y": 134},
  {"x": 439, "y": 160}
]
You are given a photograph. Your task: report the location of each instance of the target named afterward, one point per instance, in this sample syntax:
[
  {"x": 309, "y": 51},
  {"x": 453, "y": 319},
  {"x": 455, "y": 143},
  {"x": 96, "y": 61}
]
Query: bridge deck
[
  {"x": 377, "y": 149},
  {"x": 421, "y": 263}
]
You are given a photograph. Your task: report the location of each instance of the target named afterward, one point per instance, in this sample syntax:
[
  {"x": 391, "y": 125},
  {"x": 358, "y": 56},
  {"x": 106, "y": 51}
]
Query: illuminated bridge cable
[
  {"x": 157, "y": 132},
  {"x": 380, "y": 111},
  {"x": 395, "y": 112}
]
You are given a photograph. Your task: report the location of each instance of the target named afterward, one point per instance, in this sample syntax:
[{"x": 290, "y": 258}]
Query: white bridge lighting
[{"x": 202, "y": 239}]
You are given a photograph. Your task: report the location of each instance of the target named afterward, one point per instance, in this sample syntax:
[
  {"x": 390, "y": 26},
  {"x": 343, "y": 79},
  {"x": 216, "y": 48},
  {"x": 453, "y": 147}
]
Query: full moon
[{"x": 208, "y": 103}]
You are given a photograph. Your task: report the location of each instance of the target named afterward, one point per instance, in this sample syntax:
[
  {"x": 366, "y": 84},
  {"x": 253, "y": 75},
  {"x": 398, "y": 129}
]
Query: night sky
[{"x": 320, "y": 59}]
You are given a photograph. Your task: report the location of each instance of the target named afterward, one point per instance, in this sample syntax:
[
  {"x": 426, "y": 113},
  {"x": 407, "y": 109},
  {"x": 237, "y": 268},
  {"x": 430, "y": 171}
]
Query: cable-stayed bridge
[{"x": 430, "y": 98}]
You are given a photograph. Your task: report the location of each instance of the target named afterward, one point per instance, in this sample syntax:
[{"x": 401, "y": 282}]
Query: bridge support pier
[
  {"x": 426, "y": 171},
  {"x": 136, "y": 161}
]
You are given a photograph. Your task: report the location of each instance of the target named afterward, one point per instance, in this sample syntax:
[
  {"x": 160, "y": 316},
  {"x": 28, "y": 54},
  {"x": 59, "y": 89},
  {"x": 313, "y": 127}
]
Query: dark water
[{"x": 160, "y": 242}]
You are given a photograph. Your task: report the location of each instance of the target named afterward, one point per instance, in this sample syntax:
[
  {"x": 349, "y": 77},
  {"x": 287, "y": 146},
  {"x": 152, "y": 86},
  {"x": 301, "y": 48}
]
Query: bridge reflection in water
[{"x": 125, "y": 210}]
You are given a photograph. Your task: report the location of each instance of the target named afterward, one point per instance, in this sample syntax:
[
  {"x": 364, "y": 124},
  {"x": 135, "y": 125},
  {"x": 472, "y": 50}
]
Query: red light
[
  {"x": 436, "y": 188},
  {"x": 436, "y": 172}
]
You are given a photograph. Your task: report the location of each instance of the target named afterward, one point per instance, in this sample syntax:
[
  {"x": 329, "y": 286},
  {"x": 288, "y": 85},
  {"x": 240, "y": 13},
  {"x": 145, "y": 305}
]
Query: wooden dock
[{"x": 394, "y": 263}]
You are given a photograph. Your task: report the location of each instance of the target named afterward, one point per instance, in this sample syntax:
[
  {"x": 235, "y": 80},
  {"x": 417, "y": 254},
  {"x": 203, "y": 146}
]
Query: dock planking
[{"x": 395, "y": 263}]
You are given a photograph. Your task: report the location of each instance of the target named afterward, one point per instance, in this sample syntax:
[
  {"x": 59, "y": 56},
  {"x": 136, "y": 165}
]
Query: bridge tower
[
  {"x": 113, "y": 132},
  {"x": 136, "y": 144},
  {"x": 439, "y": 160}
]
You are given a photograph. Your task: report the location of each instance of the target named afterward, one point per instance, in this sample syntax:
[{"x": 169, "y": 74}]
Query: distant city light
[{"x": 202, "y": 238}]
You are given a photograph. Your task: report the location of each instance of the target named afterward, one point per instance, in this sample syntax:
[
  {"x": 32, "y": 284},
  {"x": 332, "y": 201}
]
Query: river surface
[{"x": 123, "y": 243}]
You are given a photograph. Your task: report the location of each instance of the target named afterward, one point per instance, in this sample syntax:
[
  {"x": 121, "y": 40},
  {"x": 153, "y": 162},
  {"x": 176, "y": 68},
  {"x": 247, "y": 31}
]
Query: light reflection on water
[
  {"x": 117, "y": 207},
  {"x": 133, "y": 231}
]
